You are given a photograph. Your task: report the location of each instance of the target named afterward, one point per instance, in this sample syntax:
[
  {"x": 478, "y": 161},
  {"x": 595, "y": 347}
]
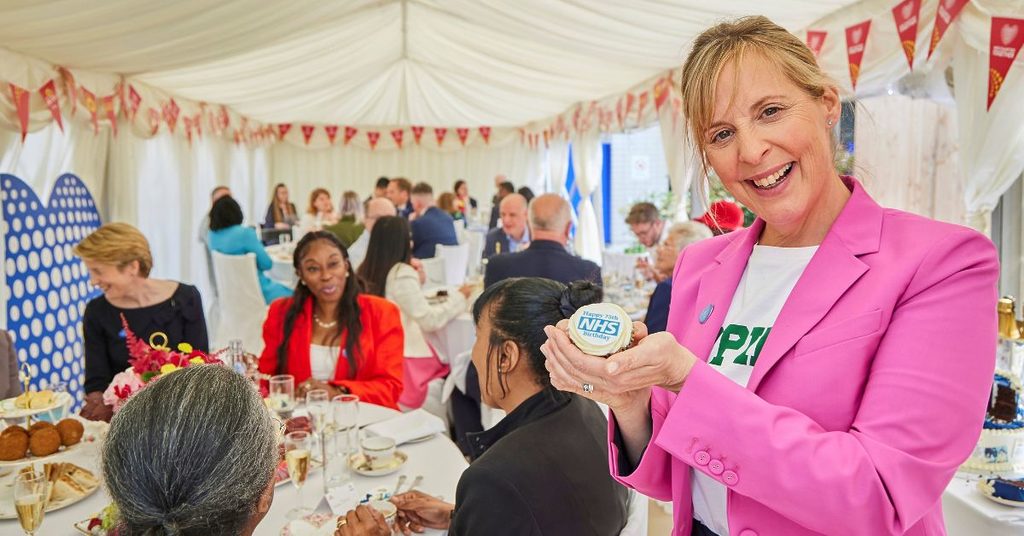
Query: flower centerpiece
[{"x": 148, "y": 363}]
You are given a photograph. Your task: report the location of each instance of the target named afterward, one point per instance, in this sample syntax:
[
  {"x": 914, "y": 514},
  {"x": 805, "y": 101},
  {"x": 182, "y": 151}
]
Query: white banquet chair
[
  {"x": 636, "y": 509},
  {"x": 241, "y": 309},
  {"x": 456, "y": 262},
  {"x": 434, "y": 269}
]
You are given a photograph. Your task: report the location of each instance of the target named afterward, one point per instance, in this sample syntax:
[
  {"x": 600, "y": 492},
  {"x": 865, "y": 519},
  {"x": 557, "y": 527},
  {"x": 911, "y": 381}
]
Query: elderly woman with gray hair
[{"x": 192, "y": 454}]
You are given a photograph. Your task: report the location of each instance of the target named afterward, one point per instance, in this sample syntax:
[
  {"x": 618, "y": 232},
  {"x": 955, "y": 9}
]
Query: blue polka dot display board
[{"x": 46, "y": 287}]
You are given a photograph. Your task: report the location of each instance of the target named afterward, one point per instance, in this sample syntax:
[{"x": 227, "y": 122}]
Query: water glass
[
  {"x": 345, "y": 414},
  {"x": 338, "y": 448},
  {"x": 282, "y": 395}
]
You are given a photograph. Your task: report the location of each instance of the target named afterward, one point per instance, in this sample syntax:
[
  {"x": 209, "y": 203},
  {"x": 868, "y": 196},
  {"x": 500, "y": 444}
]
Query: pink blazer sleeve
[{"x": 919, "y": 415}]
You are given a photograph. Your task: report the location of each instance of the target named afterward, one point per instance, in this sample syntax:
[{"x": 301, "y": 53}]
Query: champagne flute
[
  {"x": 30, "y": 490},
  {"x": 282, "y": 395},
  {"x": 297, "y": 447}
]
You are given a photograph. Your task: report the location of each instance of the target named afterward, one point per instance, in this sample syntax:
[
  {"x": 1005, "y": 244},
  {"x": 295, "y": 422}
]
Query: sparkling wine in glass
[
  {"x": 297, "y": 448},
  {"x": 30, "y": 500}
]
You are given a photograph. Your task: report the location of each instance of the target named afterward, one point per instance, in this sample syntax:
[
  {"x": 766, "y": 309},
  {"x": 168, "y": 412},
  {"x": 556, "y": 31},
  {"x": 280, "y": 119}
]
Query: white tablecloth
[
  {"x": 283, "y": 271},
  {"x": 968, "y": 513},
  {"x": 438, "y": 460}
]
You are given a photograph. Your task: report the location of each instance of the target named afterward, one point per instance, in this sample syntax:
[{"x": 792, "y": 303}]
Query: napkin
[{"x": 416, "y": 424}]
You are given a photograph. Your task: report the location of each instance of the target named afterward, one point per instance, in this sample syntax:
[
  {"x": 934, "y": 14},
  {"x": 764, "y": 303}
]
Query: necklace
[{"x": 325, "y": 325}]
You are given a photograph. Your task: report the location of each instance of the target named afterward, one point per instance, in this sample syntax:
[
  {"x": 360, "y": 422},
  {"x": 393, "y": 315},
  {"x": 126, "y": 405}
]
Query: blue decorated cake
[
  {"x": 1001, "y": 446},
  {"x": 1003, "y": 490}
]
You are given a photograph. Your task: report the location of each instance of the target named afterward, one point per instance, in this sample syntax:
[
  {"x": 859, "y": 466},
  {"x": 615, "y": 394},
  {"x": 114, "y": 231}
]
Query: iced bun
[{"x": 601, "y": 329}]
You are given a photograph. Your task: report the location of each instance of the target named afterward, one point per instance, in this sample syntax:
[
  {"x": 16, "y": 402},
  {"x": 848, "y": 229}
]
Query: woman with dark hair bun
[
  {"x": 230, "y": 237},
  {"x": 544, "y": 468},
  {"x": 330, "y": 335}
]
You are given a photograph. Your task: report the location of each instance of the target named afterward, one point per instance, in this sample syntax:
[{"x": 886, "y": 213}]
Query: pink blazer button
[
  {"x": 716, "y": 467},
  {"x": 730, "y": 478},
  {"x": 702, "y": 457},
  {"x": 747, "y": 532}
]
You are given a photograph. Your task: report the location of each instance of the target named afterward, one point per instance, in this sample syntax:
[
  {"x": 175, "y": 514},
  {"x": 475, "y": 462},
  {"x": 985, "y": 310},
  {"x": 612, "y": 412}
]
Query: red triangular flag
[
  {"x": 439, "y": 134},
  {"x": 171, "y": 114},
  {"x": 1006, "y": 41},
  {"x": 134, "y": 100},
  {"x": 154, "y": 121},
  {"x": 332, "y": 132},
  {"x": 906, "y": 15},
  {"x": 224, "y": 119},
  {"x": 373, "y": 137},
  {"x": 816, "y": 40},
  {"x": 49, "y": 93},
  {"x": 618, "y": 113},
  {"x": 20, "y": 98},
  {"x": 856, "y": 40},
  {"x": 630, "y": 100},
  {"x": 463, "y": 134},
  {"x": 661, "y": 88},
  {"x": 417, "y": 133},
  {"x": 397, "y": 135},
  {"x": 188, "y": 128},
  {"x": 108, "y": 107},
  {"x": 70, "y": 88},
  {"x": 485, "y": 133},
  {"x": 350, "y": 132},
  {"x": 944, "y": 16},
  {"x": 643, "y": 104},
  {"x": 307, "y": 132},
  {"x": 197, "y": 124},
  {"x": 547, "y": 137},
  {"x": 91, "y": 107},
  {"x": 282, "y": 130}
]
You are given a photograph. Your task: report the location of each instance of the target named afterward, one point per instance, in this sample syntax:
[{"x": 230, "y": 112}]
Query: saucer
[{"x": 359, "y": 464}]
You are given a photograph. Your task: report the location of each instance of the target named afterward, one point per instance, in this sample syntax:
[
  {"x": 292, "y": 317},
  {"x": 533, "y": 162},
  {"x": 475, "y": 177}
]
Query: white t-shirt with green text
[{"x": 767, "y": 281}]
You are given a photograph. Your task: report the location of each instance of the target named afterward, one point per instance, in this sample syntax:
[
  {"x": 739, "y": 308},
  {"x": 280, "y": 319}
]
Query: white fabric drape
[
  {"x": 914, "y": 168},
  {"x": 587, "y": 159},
  {"x": 681, "y": 157}
]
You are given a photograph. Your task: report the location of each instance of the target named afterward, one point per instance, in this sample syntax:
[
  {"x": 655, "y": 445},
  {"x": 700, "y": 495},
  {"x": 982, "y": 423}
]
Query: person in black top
[
  {"x": 544, "y": 468},
  {"x": 119, "y": 261}
]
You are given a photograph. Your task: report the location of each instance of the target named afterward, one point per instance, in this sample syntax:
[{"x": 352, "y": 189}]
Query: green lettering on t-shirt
[{"x": 742, "y": 342}]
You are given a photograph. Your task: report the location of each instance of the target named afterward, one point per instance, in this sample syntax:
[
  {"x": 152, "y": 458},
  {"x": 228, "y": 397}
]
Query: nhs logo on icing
[{"x": 598, "y": 327}]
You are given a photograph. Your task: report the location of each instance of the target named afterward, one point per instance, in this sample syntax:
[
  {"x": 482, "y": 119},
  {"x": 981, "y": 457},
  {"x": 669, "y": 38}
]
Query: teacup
[
  {"x": 379, "y": 451},
  {"x": 386, "y": 508}
]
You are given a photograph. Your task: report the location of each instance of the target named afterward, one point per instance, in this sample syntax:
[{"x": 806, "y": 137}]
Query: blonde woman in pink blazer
[{"x": 825, "y": 370}]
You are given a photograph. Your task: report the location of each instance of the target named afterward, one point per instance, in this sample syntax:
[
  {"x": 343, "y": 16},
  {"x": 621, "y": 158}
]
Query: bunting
[
  {"x": 856, "y": 40},
  {"x": 49, "y": 94},
  {"x": 944, "y": 16},
  {"x": 20, "y": 98},
  {"x": 906, "y": 15},
  {"x": 350, "y": 132},
  {"x": 332, "y": 132}
]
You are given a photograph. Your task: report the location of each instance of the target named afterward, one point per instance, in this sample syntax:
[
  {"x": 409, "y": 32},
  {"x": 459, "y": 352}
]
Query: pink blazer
[{"x": 868, "y": 394}]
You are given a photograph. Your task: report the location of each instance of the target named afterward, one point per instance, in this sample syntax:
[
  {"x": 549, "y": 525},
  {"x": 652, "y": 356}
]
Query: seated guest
[
  {"x": 208, "y": 449},
  {"x": 331, "y": 336},
  {"x": 119, "y": 261},
  {"x": 543, "y": 469},
  {"x": 527, "y": 193},
  {"x": 281, "y": 213},
  {"x": 349, "y": 226},
  {"x": 723, "y": 217},
  {"x": 463, "y": 202},
  {"x": 678, "y": 237},
  {"x": 513, "y": 235},
  {"x": 10, "y": 385},
  {"x": 446, "y": 202},
  {"x": 550, "y": 220},
  {"x": 504, "y": 188},
  {"x": 376, "y": 208},
  {"x": 645, "y": 222},
  {"x": 386, "y": 272},
  {"x": 380, "y": 189},
  {"x": 431, "y": 226},
  {"x": 320, "y": 211},
  {"x": 398, "y": 192},
  {"x": 230, "y": 237}
]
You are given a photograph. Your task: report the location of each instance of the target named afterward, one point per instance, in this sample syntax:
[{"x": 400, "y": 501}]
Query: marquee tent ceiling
[{"x": 381, "y": 62}]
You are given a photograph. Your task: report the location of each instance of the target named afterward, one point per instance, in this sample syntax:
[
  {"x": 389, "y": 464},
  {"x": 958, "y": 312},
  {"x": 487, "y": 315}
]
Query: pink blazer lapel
[{"x": 834, "y": 268}]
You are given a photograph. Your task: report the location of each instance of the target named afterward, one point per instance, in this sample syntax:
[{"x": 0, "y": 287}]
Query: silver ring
[{"x": 588, "y": 388}]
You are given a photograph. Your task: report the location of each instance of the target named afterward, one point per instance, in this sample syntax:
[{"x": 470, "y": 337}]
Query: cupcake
[{"x": 601, "y": 329}]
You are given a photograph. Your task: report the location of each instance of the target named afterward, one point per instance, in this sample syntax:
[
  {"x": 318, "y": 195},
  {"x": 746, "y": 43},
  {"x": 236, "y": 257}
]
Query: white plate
[
  {"x": 358, "y": 464},
  {"x": 7, "y": 507},
  {"x": 988, "y": 492},
  {"x": 8, "y": 411},
  {"x": 32, "y": 459}
]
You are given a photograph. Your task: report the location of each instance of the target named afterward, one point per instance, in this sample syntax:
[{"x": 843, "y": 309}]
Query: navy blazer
[
  {"x": 432, "y": 228},
  {"x": 544, "y": 258},
  {"x": 657, "y": 309},
  {"x": 496, "y": 236},
  {"x": 404, "y": 210}
]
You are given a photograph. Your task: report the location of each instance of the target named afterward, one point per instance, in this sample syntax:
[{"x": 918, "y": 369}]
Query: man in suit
[
  {"x": 431, "y": 226},
  {"x": 550, "y": 220},
  {"x": 514, "y": 234},
  {"x": 504, "y": 188},
  {"x": 398, "y": 192}
]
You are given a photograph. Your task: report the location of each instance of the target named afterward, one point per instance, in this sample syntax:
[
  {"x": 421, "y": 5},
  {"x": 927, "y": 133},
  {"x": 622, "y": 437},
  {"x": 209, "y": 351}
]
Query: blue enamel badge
[{"x": 706, "y": 313}]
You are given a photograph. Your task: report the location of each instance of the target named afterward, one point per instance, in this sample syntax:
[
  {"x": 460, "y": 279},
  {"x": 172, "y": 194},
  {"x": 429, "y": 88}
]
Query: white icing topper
[{"x": 600, "y": 329}]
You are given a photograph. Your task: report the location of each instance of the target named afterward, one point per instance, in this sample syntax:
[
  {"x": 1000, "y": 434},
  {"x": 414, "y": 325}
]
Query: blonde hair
[
  {"x": 312, "y": 199},
  {"x": 730, "y": 41},
  {"x": 118, "y": 244},
  {"x": 684, "y": 233},
  {"x": 446, "y": 202}
]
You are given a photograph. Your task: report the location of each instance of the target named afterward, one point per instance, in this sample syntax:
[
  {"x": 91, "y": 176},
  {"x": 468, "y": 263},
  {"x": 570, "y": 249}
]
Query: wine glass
[
  {"x": 318, "y": 403},
  {"x": 297, "y": 448},
  {"x": 282, "y": 395},
  {"x": 30, "y": 500}
]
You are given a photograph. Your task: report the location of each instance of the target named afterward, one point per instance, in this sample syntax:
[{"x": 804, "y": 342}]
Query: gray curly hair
[{"x": 191, "y": 454}]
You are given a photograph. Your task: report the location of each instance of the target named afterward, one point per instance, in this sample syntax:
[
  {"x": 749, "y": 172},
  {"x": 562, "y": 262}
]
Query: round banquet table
[
  {"x": 282, "y": 270},
  {"x": 437, "y": 459}
]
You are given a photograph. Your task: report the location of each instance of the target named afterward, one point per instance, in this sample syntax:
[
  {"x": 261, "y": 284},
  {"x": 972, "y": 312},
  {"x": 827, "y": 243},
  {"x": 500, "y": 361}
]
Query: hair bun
[{"x": 578, "y": 294}]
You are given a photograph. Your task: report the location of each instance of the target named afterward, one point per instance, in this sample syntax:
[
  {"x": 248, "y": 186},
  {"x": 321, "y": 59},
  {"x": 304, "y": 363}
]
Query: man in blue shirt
[
  {"x": 513, "y": 235},
  {"x": 431, "y": 226}
]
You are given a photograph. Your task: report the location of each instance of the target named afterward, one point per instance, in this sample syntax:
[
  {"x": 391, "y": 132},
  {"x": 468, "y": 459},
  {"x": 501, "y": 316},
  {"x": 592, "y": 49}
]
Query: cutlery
[
  {"x": 401, "y": 480},
  {"x": 416, "y": 482}
]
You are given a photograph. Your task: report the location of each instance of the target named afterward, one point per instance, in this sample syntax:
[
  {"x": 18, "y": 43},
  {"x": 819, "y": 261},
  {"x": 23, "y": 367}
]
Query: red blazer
[{"x": 378, "y": 377}]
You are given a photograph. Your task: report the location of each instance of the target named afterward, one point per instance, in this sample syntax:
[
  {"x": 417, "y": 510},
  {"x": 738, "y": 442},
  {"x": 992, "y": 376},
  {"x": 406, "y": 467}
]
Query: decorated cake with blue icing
[
  {"x": 1001, "y": 446},
  {"x": 1004, "y": 490}
]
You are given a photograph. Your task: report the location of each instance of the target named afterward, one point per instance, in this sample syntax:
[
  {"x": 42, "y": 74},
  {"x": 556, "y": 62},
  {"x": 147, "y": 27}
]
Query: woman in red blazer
[{"x": 329, "y": 335}]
